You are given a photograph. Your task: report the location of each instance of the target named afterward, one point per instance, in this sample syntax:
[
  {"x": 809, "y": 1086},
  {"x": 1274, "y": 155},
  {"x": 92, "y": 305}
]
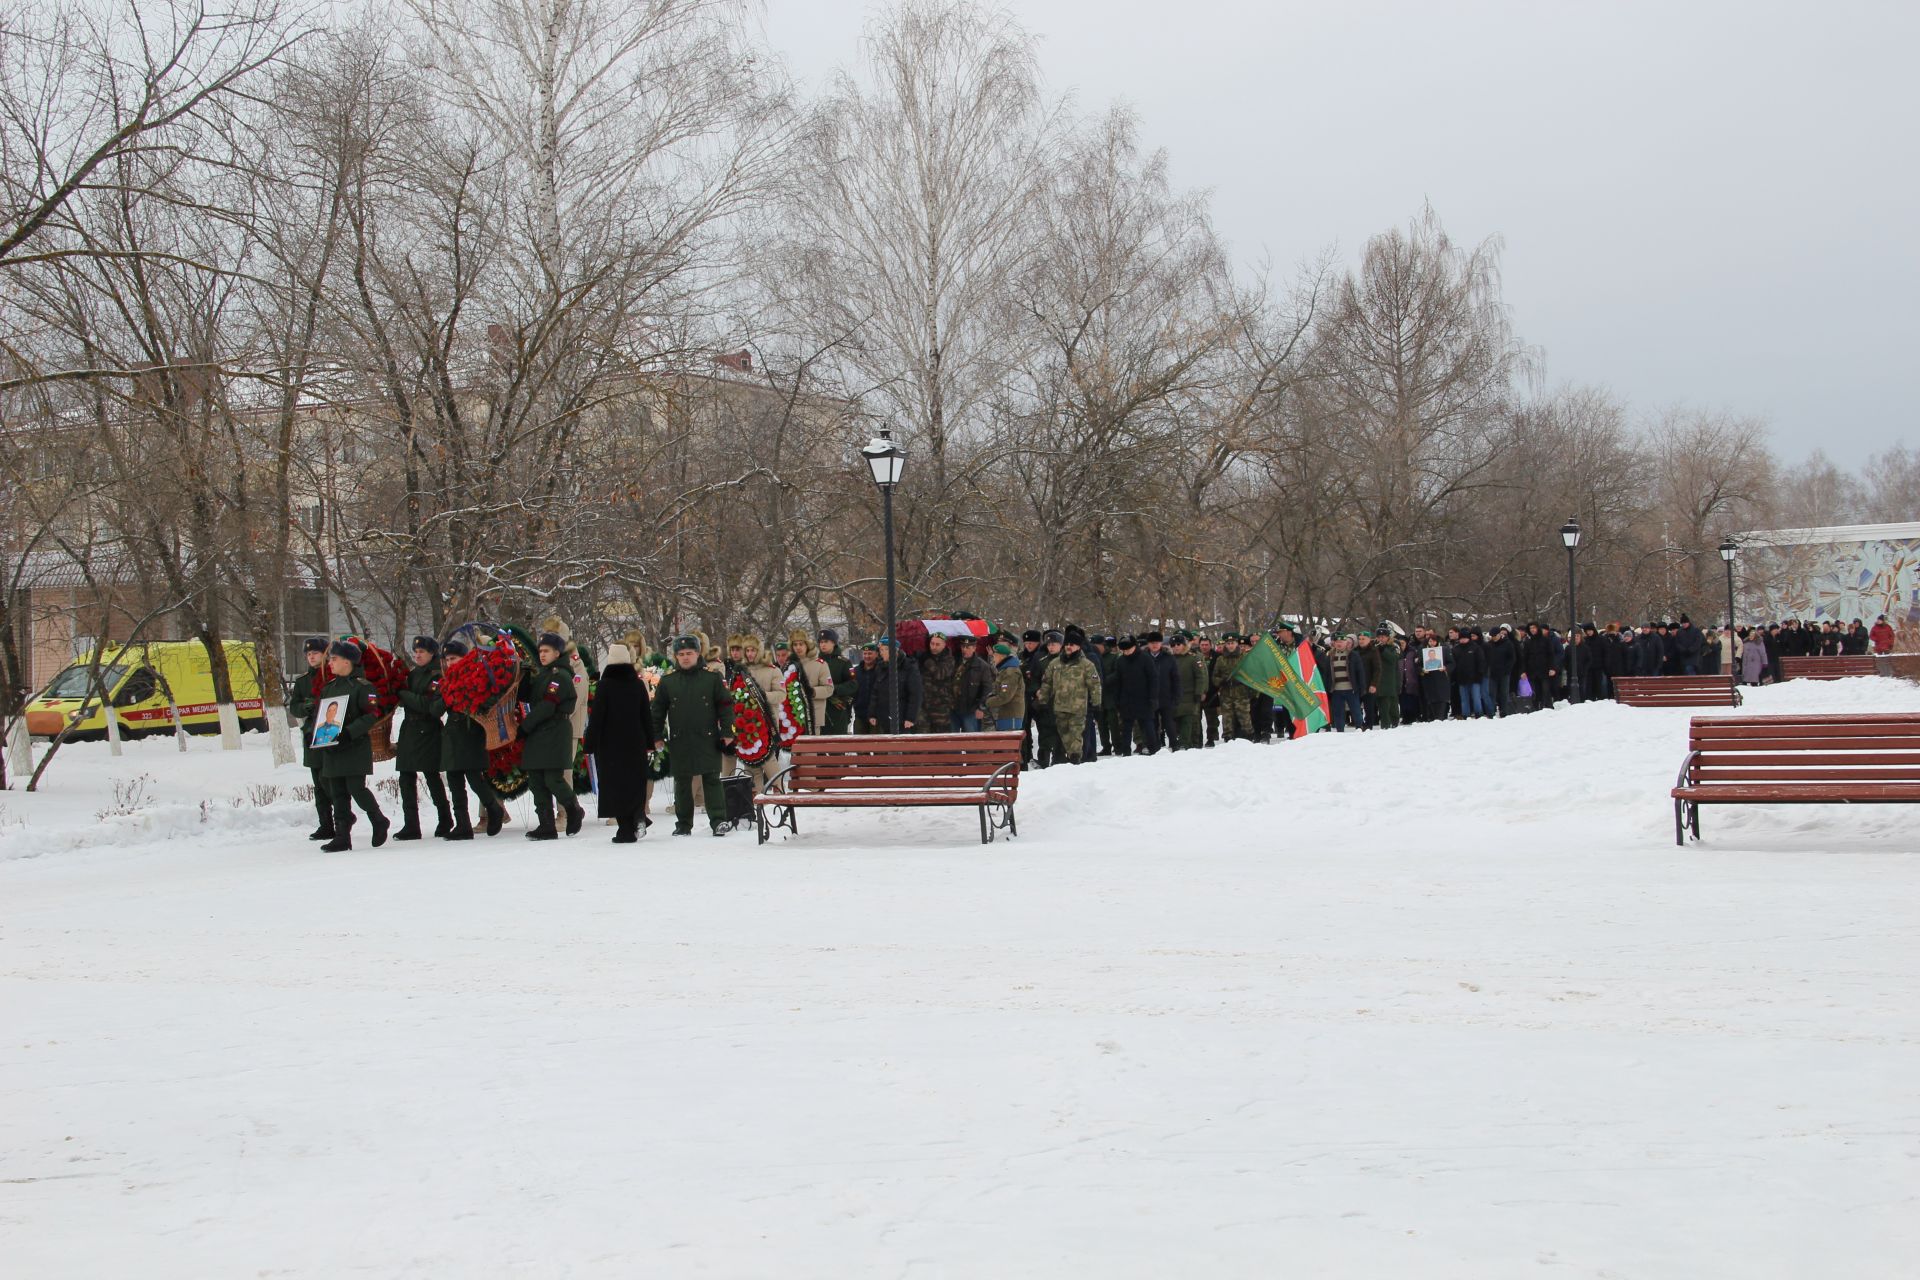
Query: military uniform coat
[
  {"x": 351, "y": 755},
  {"x": 303, "y": 704},
  {"x": 696, "y": 711},
  {"x": 547, "y": 732},
  {"x": 418, "y": 750}
]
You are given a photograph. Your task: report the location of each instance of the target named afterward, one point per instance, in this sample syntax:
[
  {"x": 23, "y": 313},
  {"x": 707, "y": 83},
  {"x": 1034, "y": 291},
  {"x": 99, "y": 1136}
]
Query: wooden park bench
[
  {"x": 1827, "y": 668},
  {"x": 1675, "y": 691},
  {"x": 905, "y": 771},
  {"x": 1831, "y": 759}
]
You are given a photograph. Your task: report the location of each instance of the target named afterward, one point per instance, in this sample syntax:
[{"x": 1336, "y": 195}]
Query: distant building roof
[{"x": 1832, "y": 535}]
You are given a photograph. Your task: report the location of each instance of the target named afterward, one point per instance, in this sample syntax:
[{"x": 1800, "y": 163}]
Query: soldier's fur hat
[
  {"x": 316, "y": 644},
  {"x": 345, "y": 649},
  {"x": 687, "y": 642},
  {"x": 1076, "y": 636},
  {"x": 552, "y": 640}
]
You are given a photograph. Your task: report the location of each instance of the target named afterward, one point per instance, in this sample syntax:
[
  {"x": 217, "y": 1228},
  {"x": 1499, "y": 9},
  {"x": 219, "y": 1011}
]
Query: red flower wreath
[{"x": 752, "y": 734}]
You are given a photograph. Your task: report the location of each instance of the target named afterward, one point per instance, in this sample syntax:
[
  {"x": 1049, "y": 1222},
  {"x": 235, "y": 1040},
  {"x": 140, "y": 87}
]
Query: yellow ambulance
[{"x": 139, "y": 678}]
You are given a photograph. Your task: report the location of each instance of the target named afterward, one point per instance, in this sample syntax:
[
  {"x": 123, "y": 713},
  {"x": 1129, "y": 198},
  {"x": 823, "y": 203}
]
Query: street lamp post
[
  {"x": 888, "y": 462},
  {"x": 1570, "y": 534},
  {"x": 1729, "y": 550}
]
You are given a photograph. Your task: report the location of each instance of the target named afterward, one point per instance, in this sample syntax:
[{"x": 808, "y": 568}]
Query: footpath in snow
[{"x": 1439, "y": 1002}]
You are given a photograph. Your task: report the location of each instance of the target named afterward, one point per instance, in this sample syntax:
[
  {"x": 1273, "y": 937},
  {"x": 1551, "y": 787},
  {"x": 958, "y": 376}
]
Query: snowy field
[{"x": 1443, "y": 1002}]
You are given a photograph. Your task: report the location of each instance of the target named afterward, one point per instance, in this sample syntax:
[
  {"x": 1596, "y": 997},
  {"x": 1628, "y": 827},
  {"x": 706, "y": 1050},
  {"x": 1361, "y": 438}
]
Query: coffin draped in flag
[{"x": 1290, "y": 677}]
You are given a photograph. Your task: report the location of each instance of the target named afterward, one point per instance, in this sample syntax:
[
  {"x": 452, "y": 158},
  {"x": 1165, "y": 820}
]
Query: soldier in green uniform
[
  {"x": 463, "y": 758},
  {"x": 1193, "y": 690},
  {"x": 303, "y": 703},
  {"x": 1386, "y": 678},
  {"x": 1048, "y": 746},
  {"x": 840, "y": 701},
  {"x": 418, "y": 751},
  {"x": 547, "y": 737},
  {"x": 697, "y": 712},
  {"x": 1236, "y": 700},
  {"x": 347, "y": 762},
  {"x": 1069, "y": 691}
]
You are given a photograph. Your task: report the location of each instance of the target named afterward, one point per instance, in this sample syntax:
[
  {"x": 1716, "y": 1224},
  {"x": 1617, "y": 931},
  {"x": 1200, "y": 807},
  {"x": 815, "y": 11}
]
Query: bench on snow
[
  {"x": 903, "y": 771},
  {"x": 1831, "y": 759},
  {"x": 1675, "y": 691},
  {"x": 1817, "y": 668}
]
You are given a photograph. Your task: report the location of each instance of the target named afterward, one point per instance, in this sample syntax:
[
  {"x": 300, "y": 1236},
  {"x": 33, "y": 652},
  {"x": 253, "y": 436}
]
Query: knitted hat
[
  {"x": 426, "y": 642},
  {"x": 618, "y": 655},
  {"x": 551, "y": 640},
  {"x": 316, "y": 644},
  {"x": 686, "y": 642},
  {"x": 345, "y": 649}
]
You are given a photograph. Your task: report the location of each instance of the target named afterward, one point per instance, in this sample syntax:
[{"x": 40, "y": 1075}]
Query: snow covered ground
[{"x": 1444, "y": 1002}]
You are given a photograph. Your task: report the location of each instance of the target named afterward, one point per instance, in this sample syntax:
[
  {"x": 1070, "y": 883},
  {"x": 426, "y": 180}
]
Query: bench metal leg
[
  {"x": 1693, "y": 817},
  {"x": 995, "y": 815},
  {"x": 1680, "y": 823},
  {"x": 787, "y": 818}
]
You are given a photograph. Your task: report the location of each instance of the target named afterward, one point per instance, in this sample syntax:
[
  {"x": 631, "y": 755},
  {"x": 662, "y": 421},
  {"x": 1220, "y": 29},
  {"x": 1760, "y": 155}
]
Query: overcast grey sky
[{"x": 1709, "y": 203}]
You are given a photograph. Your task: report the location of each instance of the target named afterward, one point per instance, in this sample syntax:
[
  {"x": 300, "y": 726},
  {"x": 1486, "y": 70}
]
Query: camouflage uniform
[
  {"x": 1193, "y": 694},
  {"x": 1236, "y": 700},
  {"x": 1069, "y": 690}
]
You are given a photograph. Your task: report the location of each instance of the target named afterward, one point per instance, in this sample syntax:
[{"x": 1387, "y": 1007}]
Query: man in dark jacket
[
  {"x": 347, "y": 762},
  {"x": 976, "y": 686},
  {"x": 1032, "y": 666},
  {"x": 1133, "y": 683},
  {"x": 1536, "y": 658},
  {"x": 1166, "y": 691},
  {"x": 463, "y": 758},
  {"x": 547, "y": 740},
  {"x": 1106, "y": 718},
  {"x": 1688, "y": 644},
  {"x": 880, "y": 716},
  {"x": 303, "y": 704},
  {"x": 840, "y": 700},
  {"x": 694, "y": 710},
  {"x": 1470, "y": 675},
  {"x": 418, "y": 750},
  {"x": 1503, "y": 656}
]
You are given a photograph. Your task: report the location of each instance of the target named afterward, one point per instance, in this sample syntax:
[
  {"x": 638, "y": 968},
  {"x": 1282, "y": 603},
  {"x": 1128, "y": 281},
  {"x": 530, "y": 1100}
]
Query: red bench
[
  {"x": 1817, "y": 668},
  {"x": 1832, "y": 759},
  {"x": 904, "y": 771},
  {"x": 1675, "y": 691}
]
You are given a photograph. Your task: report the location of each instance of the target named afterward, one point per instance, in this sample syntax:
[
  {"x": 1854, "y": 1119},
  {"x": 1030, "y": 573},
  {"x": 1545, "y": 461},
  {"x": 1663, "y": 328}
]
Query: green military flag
[{"x": 1290, "y": 677}]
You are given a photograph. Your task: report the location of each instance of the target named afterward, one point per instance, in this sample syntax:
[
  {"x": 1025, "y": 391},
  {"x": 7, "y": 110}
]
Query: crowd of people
[{"x": 1075, "y": 696}]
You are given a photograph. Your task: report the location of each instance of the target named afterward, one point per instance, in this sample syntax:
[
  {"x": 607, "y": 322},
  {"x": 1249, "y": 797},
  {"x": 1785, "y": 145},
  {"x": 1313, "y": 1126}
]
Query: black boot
[
  {"x": 445, "y": 826},
  {"x": 576, "y": 816},
  {"x": 461, "y": 828},
  {"x": 380, "y": 828},
  {"x": 339, "y": 844},
  {"x": 627, "y": 832},
  {"x": 496, "y": 817},
  {"x": 410, "y": 829},
  {"x": 437, "y": 789},
  {"x": 322, "y": 832},
  {"x": 544, "y": 831}
]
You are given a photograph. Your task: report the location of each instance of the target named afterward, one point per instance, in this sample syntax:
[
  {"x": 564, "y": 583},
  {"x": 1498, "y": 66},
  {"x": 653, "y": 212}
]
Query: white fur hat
[{"x": 619, "y": 655}]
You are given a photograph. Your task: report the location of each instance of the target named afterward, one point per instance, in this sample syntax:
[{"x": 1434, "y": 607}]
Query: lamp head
[
  {"x": 1570, "y": 533},
  {"x": 885, "y": 459},
  {"x": 1729, "y": 549}
]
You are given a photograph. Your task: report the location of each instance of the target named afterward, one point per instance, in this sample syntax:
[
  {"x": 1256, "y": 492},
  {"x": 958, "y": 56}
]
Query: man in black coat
[
  {"x": 1134, "y": 678},
  {"x": 1503, "y": 656},
  {"x": 1688, "y": 644},
  {"x": 418, "y": 751},
  {"x": 1166, "y": 692},
  {"x": 1537, "y": 659},
  {"x": 880, "y": 696},
  {"x": 619, "y": 737}
]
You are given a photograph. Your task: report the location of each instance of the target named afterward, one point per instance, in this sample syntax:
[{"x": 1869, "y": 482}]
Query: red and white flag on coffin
[{"x": 952, "y": 627}]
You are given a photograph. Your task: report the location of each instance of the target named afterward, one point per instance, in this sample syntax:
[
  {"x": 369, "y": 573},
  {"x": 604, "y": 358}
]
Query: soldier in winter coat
[
  {"x": 418, "y": 751},
  {"x": 303, "y": 704},
  {"x": 1192, "y": 674},
  {"x": 463, "y": 758},
  {"x": 695, "y": 711},
  {"x": 1070, "y": 689},
  {"x": 547, "y": 738},
  {"x": 348, "y": 762},
  {"x": 1385, "y": 677},
  {"x": 1007, "y": 701},
  {"x": 818, "y": 677}
]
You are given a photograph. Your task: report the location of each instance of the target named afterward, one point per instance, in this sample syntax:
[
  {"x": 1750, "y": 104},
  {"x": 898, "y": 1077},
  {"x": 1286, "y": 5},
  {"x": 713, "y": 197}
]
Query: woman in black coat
[{"x": 619, "y": 737}]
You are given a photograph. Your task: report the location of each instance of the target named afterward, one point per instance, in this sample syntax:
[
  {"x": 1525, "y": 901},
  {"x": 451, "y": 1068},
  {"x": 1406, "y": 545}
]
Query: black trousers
[
  {"x": 347, "y": 792},
  {"x": 549, "y": 785},
  {"x": 322, "y": 799},
  {"x": 410, "y": 797},
  {"x": 1137, "y": 732}
]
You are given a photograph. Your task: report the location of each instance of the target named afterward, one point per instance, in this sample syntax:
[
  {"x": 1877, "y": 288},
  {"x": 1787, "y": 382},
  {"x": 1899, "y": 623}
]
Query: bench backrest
[
  {"x": 1805, "y": 750},
  {"x": 1690, "y": 691},
  {"x": 909, "y": 761},
  {"x": 1817, "y": 668}
]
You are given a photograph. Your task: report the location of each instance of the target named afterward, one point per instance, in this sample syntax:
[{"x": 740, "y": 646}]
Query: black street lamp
[
  {"x": 888, "y": 462},
  {"x": 1729, "y": 550},
  {"x": 1570, "y": 534}
]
